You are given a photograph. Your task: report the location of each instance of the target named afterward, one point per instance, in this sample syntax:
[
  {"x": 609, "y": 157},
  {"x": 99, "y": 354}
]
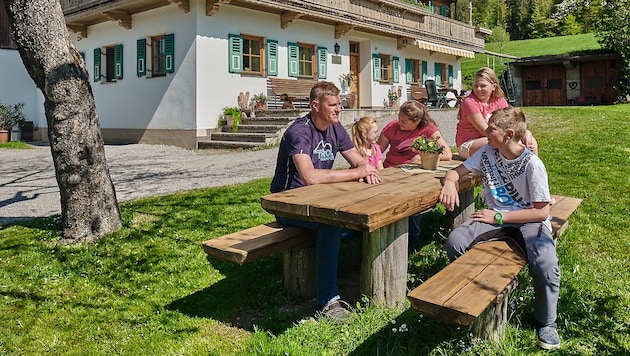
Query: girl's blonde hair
[
  {"x": 417, "y": 112},
  {"x": 490, "y": 76},
  {"x": 360, "y": 128}
]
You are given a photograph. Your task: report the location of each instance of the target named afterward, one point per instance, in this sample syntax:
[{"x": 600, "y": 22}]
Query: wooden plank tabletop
[{"x": 362, "y": 206}]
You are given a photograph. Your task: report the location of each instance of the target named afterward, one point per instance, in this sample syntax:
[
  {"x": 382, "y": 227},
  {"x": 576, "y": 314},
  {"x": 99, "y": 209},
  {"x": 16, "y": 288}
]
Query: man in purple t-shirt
[{"x": 306, "y": 156}]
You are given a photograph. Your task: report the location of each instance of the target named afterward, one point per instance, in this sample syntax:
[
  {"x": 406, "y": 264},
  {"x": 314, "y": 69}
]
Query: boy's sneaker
[
  {"x": 548, "y": 338},
  {"x": 334, "y": 311}
]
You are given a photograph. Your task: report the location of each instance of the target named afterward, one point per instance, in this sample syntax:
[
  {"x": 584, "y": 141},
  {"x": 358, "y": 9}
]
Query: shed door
[
  {"x": 544, "y": 85},
  {"x": 599, "y": 78}
]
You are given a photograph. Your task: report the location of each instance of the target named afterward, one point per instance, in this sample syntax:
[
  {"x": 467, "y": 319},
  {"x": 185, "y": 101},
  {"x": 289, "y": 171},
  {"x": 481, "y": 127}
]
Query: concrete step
[
  {"x": 241, "y": 136},
  {"x": 247, "y": 128},
  {"x": 228, "y": 144}
]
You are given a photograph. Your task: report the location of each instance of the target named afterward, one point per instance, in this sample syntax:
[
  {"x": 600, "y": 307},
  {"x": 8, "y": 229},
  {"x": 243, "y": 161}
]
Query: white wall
[
  {"x": 144, "y": 102},
  {"x": 17, "y": 86}
]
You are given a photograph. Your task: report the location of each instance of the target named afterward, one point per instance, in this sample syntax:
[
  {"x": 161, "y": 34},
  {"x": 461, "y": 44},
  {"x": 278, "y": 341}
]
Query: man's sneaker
[
  {"x": 548, "y": 338},
  {"x": 334, "y": 311}
]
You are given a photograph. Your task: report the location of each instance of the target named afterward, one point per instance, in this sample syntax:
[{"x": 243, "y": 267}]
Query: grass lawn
[{"x": 149, "y": 288}]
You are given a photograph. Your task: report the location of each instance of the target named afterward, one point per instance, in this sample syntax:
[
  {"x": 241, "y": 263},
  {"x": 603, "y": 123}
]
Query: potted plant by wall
[
  {"x": 259, "y": 102},
  {"x": 392, "y": 96},
  {"x": 232, "y": 116},
  {"x": 11, "y": 116},
  {"x": 429, "y": 150}
]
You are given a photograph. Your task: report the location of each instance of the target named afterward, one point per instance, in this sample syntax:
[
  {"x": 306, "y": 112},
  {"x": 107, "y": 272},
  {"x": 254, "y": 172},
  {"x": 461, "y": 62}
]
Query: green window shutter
[
  {"x": 169, "y": 53},
  {"x": 438, "y": 73},
  {"x": 293, "y": 53},
  {"x": 322, "y": 62},
  {"x": 97, "y": 64},
  {"x": 425, "y": 71},
  {"x": 235, "y": 53},
  {"x": 272, "y": 58},
  {"x": 444, "y": 10},
  {"x": 450, "y": 75},
  {"x": 396, "y": 69},
  {"x": 118, "y": 61},
  {"x": 376, "y": 66},
  {"x": 141, "y": 57},
  {"x": 408, "y": 71},
  {"x": 431, "y": 8}
]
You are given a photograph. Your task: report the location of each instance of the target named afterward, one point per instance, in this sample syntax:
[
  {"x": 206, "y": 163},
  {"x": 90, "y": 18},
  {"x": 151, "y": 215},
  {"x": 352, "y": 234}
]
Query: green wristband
[{"x": 499, "y": 217}]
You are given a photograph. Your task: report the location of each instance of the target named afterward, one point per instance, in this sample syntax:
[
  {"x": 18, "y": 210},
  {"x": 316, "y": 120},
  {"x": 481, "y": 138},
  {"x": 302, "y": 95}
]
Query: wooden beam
[
  {"x": 183, "y": 5},
  {"x": 78, "y": 28},
  {"x": 342, "y": 29},
  {"x": 123, "y": 17},
  {"x": 212, "y": 6},
  {"x": 287, "y": 17}
]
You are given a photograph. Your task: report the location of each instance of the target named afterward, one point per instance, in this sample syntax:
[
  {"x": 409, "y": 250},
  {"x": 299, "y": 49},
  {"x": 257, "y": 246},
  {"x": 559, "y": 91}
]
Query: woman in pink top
[
  {"x": 413, "y": 121},
  {"x": 475, "y": 111}
]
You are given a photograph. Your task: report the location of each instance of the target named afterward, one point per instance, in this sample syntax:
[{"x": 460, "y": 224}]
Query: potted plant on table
[
  {"x": 429, "y": 150},
  {"x": 392, "y": 96},
  {"x": 11, "y": 116},
  {"x": 232, "y": 116}
]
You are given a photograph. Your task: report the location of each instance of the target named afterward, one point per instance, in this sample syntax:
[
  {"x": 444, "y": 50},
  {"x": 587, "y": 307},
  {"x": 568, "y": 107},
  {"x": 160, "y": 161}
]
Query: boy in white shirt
[{"x": 517, "y": 193}]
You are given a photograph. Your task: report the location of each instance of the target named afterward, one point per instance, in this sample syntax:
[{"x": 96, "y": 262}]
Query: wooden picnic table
[{"x": 381, "y": 212}]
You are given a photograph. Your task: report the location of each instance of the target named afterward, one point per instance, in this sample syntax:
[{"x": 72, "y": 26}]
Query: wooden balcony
[{"x": 391, "y": 18}]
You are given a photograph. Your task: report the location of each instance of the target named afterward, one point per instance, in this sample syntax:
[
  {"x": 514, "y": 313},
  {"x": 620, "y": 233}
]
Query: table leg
[
  {"x": 384, "y": 264},
  {"x": 462, "y": 212}
]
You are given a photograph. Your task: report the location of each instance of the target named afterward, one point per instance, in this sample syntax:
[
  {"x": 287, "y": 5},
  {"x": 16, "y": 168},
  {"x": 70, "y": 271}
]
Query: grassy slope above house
[{"x": 527, "y": 48}]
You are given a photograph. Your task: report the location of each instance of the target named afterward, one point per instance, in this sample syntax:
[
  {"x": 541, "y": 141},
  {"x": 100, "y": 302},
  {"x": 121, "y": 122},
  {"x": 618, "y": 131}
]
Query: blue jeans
[
  {"x": 414, "y": 231},
  {"x": 327, "y": 256}
]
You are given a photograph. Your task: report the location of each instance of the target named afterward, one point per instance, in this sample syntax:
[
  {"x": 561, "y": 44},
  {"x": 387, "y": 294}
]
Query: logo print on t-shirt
[{"x": 324, "y": 151}]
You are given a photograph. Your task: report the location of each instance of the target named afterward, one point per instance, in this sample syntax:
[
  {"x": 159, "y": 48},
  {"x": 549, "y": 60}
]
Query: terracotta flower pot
[
  {"x": 429, "y": 160},
  {"x": 5, "y": 136}
]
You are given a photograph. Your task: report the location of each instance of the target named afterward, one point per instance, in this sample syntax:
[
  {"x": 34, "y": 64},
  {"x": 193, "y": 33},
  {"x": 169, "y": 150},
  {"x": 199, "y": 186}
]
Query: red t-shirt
[
  {"x": 471, "y": 105},
  {"x": 400, "y": 151}
]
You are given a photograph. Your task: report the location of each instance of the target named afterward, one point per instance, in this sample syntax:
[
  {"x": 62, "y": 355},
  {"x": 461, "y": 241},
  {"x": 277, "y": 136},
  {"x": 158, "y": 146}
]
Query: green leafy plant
[
  {"x": 423, "y": 144},
  {"x": 258, "y": 98},
  {"x": 235, "y": 113},
  {"x": 11, "y": 115}
]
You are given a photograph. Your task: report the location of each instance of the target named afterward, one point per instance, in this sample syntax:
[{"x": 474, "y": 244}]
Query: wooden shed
[{"x": 584, "y": 78}]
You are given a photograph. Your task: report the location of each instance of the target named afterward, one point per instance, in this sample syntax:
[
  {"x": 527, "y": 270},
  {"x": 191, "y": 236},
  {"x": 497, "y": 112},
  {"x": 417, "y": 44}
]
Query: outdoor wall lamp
[{"x": 337, "y": 48}]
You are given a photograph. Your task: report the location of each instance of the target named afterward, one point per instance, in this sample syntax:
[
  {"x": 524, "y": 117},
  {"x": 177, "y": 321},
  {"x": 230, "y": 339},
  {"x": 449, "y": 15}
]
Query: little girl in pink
[{"x": 364, "y": 135}]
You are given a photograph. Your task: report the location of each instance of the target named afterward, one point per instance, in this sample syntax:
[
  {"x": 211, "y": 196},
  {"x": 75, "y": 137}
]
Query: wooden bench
[
  {"x": 297, "y": 244},
  {"x": 292, "y": 90},
  {"x": 473, "y": 290}
]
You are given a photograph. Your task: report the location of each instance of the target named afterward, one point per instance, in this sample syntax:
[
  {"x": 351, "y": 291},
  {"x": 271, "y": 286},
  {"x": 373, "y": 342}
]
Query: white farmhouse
[{"x": 162, "y": 70}]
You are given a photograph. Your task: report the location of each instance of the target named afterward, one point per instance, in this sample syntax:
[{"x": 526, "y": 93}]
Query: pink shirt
[
  {"x": 471, "y": 105},
  {"x": 376, "y": 156},
  {"x": 400, "y": 151}
]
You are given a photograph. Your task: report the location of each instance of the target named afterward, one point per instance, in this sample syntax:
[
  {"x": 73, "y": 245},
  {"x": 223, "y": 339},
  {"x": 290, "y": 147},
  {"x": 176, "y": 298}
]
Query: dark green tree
[{"x": 613, "y": 33}]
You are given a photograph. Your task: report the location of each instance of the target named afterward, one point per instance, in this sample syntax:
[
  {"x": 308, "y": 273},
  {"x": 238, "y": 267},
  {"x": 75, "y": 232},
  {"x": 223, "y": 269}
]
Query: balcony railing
[{"x": 393, "y": 18}]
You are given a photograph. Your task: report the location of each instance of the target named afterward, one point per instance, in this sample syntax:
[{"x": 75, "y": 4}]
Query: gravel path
[{"x": 28, "y": 187}]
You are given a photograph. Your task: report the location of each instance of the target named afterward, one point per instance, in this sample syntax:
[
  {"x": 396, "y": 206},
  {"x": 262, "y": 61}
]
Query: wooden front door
[
  {"x": 355, "y": 69},
  {"x": 544, "y": 85},
  {"x": 599, "y": 78}
]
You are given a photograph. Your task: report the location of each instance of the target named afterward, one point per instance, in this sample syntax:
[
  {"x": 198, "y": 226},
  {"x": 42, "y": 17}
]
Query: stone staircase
[{"x": 263, "y": 130}]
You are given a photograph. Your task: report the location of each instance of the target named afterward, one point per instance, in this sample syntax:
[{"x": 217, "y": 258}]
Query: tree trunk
[{"x": 89, "y": 207}]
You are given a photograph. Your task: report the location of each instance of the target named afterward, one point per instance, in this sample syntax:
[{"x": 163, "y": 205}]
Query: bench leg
[
  {"x": 384, "y": 265},
  {"x": 490, "y": 324},
  {"x": 462, "y": 212},
  {"x": 300, "y": 272}
]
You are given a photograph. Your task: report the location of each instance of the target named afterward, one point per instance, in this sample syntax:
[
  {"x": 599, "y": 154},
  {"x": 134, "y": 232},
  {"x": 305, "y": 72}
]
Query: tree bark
[{"x": 89, "y": 208}]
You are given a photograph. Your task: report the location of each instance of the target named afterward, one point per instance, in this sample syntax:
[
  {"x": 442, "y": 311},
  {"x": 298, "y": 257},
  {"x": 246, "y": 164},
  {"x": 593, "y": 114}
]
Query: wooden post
[
  {"x": 462, "y": 212},
  {"x": 300, "y": 272},
  {"x": 490, "y": 324},
  {"x": 384, "y": 266}
]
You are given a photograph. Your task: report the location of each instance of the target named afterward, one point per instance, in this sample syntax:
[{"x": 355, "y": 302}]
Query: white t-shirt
[{"x": 511, "y": 184}]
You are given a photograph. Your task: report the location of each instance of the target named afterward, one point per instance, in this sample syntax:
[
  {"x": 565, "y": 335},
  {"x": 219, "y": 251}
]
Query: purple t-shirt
[{"x": 303, "y": 137}]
